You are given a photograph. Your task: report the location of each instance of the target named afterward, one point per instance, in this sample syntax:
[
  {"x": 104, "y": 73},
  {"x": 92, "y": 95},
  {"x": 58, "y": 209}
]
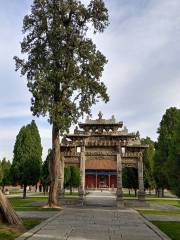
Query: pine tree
[
  {"x": 173, "y": 165},
  {"x": 63, "y": 67},
  {"x": 72, "y": 177},
  {"x": 149, "y": 182},
  {"x": 5, "y": 165},
  {"x": 26, "y": 165},
  {"x": 166, "y": 133}
]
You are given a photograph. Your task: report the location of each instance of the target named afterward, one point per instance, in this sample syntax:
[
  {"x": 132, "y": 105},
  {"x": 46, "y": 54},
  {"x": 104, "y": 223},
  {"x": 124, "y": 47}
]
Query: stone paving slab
[
  {"x": 154, "y": 217},
  {"x": 36, "y": 214},
  {"x": 97, "y": 224}
]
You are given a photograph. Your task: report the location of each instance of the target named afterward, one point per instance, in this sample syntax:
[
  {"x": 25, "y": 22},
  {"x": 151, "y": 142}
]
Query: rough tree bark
[
  {"x": 7, "y": 213},
  {"x": 24, "y": 190},
  {"x": 54, "y": 169}
]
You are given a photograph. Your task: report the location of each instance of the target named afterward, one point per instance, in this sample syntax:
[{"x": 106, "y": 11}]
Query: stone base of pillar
[
  {"x": 119, "y": 194},
  {"x": 81, "y": 194},
  {"x": 81, "y": 197},
  {"x": 61, "y": 194},
  {"x": 119, "y": 198},
  {"x": 119, "y": 203},
  {"x": 141, "y": 195}
]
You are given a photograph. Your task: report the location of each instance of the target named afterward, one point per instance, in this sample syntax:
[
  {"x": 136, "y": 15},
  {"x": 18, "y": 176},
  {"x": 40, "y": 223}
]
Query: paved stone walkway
[
  {"x": 153, "y": 217},
  {"x": 36, "y": 214},
  {"x": 101, "y": 199},
  {"x": 97, "y": 224}
]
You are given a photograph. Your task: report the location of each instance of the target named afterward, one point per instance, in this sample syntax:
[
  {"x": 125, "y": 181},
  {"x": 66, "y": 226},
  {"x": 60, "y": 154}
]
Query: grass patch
[
  {"x": 32, "y": 222},
  {"x": 8, "y": 232},
  {"x": 160, "y": 212},
  {"x": 20, "y": 204},
  {"x": 172, "y": 229},
  {"x": 165, "y": 202}
]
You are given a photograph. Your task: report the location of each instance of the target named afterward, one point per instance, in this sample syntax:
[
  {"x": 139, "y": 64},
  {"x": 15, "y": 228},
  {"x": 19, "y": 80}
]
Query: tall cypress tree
[
  {"x": 26, "y": 165},
  {"x": 5, "y": 165},
  {"x": 173, "y": 164},
  {"x": 63, "y": 66},
  {"x": 166, "y": 132},
  {"x": 149, "y": 182}
]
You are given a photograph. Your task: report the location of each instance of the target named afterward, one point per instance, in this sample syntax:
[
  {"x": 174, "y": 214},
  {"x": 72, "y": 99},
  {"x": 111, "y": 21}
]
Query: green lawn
[
  {"x": 172, "y": 229},
  {"x": 20, "y": 204},
  {"x": 164, "y": 201},
  {"x": 8, "y": 232},
  {"x": 160, "y": 212}
]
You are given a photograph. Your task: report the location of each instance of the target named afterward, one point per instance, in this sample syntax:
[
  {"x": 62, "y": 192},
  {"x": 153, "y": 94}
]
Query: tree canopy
[
  {"x": 26, "y": 165},
  {"x": 173, "y": 163},
  {"x": 63, "y": 66},
  {"x": 71, "y": 177},
  {"x": 166, "y": 131},
  {"x": 5, "y": 168},
  {"x": 149, "y": 182}
]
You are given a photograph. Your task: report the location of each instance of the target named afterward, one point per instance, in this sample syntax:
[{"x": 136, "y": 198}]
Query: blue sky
[{"x": 142, "y": 45}]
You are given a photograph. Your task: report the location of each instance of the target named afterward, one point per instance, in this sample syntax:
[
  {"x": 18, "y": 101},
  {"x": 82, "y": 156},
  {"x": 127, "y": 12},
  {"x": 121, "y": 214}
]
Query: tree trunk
[
  {"x": 70, "y": 190},
  {"x": 54, "y": 169},
  {"x": 24, "y": 190},
  {"x": 135, "y": 191},
  {"x": 129, "y": 192},
  {"x": 162, "y": 192},
  {"x": 7, "y": 213}
]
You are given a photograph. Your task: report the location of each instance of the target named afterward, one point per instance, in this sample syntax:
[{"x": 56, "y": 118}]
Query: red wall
[
  {"x": 90, "y": 181},
  {"x": 113, "y": 181}
]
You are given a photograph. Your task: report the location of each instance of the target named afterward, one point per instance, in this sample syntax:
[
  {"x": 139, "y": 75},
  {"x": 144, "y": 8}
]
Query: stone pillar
[
  {"x": 82, "y": 173},
  {"x": 141, "y": 193},
  {"x": 61, "y": 178},
  {"x": 109, "y": 181},
  {"x": 96, "y": 180},
  {"x": 119, "y": 193}
]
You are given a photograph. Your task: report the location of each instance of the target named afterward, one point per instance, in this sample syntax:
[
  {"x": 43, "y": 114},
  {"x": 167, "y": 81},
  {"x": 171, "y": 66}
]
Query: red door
[
  {"x": 90, "y": 181},
  {"x": 113, "y": 181}
]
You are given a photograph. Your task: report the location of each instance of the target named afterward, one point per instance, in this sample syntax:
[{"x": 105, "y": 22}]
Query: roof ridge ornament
[{"x": 100, "y": 115}]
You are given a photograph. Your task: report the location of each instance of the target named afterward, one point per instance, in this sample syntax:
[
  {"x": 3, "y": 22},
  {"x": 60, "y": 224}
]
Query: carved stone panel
[
  {"x": 71, "y": 160},
  {"x": 101, "y": 153},
  {"x": 100, "y": 157},
  {"x": 129, "y": 162}
]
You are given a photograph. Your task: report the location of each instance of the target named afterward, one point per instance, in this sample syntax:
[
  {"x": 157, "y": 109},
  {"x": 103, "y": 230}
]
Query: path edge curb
[
  {"x": 34, "y": 230},
  {"x": 155, "y": 229}
]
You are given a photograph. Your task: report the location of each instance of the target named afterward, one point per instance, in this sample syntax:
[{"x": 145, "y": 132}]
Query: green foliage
[
  {"x": 130, "y": 178},
  {"x": 26, "y": 165},
  {"x": 164, "y": 145},
  {"x": 45, "y": 170},
  {"x": 5, "y": 168},
  {"x": 67, "y": 176},
  {"x": 173, "y": 164},
  {"x": 71, "y": 176},
  {"x": 1, "y": 173},
  {"x": 148, "y": 160},
  {"x": 63, "y": 66}
]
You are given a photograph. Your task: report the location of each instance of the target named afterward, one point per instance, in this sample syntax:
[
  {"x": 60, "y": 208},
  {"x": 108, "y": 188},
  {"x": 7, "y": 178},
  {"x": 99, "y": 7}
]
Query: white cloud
[{"x": 142, "y": 45}]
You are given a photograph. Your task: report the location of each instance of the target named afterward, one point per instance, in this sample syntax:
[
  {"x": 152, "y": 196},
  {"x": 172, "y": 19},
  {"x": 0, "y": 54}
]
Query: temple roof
[{"x": 101, "y": 122}]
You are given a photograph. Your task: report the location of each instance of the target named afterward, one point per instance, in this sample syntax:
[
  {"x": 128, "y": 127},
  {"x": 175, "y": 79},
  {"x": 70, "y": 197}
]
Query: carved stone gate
[{"x": 103, "y": 145}]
